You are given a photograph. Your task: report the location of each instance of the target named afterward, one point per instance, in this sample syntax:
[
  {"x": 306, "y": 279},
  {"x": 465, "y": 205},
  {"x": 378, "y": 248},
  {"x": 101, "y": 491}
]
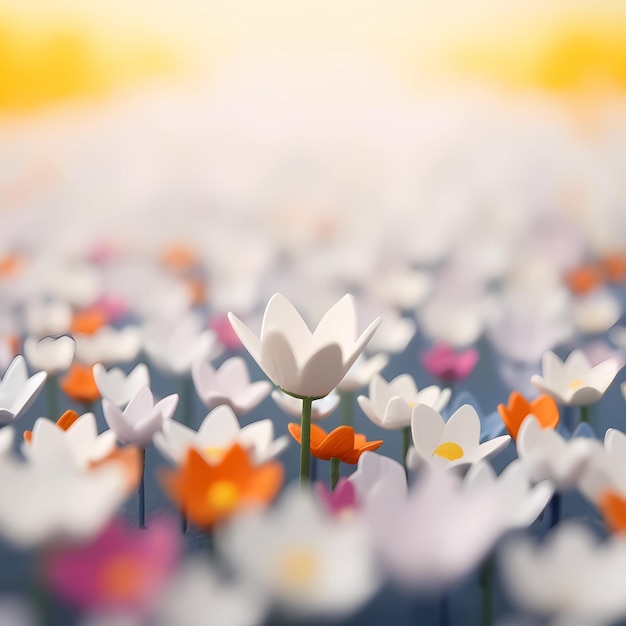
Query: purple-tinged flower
[
  {"x": 449, "y": 365},
  {"x": 341, "y": 501}
]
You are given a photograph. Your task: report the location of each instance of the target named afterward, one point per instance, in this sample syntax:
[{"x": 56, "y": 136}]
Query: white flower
[
  {"x": 228, "y": 384},
  {"x": 597, "y": 312},
  {"x": 49, "y": 354},
  {"x": 80, "y": 442},
  {"x": 79, "y": 284},
  {"x": 109, "y": 345},
  {"x": 375, "y": 473},
  {"x": 606, "y": 469},
  {"x": 571, "y": 576},
  {"x": 45, "y": 502},
  {"x": 394, "y": 334},
  {"x": 302, "y": 363},
  {"x": 141, "y": 419},
  {"x": 390, "y": 403},
  {"x": 47, "y": 318},
  {"x": 528, "y": 501},
  {"x": 173, "y": 346},
  {"x": 574, "y": 381},
  {"x": 546, "y": 455},
  {"x": 361, "y": 373},
  {"x": 219, "y": 430},
  {"x": 17, "y": 390},
  {"x": 320, "y": 408},
  {"x": 452, "y": 443},
  {"x": 439, "y": 533},
  {"x": 197, "y": 591},
  {"x": 310, "y": 565},
  {"x": 118, "y": 387},
  {"x": 404, "y": 289},
  {"x": 456, "y": 323}
]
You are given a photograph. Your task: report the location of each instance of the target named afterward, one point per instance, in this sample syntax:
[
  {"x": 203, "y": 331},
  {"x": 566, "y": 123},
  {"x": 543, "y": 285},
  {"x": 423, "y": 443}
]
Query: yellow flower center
[
  {"x": 298, "y": 567},
  {"x": 214, "y": 454},
  {"x": 223, "y": 495},
  {"x": 576, "y": 383},
  {"x": 449, "y": 450}
]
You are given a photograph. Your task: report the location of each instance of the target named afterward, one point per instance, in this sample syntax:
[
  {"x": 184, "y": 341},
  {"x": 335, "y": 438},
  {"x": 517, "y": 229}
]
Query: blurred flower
[
  {"x": 574, "y": 381},
  {"x": 453, "y": 443},
  {"x": 228, "y": 384},
  {"x": 17, "y": 390},
  {"x": 362, "y": 371},
  {"x": 173, "y": 346},
  {"x": 606, "y": 470},
  {"x": 341, "y": 501},
  {"x": 570, "y": 577},
  {"x": 74, "y": 437},
  {"x": 87, "y": 322},
  {"x": 219, "y": 430},
  {"x": 404, "y": 289},
  {"x": 546, "y": 455},
  {"x": 306, "y": 562},
  {"x": 376, "y": 473},
  {"x": 208, "y": 493},
  {"x": 446, "y": 364},
  {"x": 79, "y": 384},
  {"x": 527, "y": 501},
  {"x": 438, "y": 534},
  {"x": 70, "y": 503},
  {"x": 390, "y": 403},
  {"x": 612, "y": 506},
  {"x": 452, "y": 322},
  {"x": 7, "y": 437},
  {"x": 118, "y": 387},
  {"x": 141, "y": 419},
  {"x": 224, "y": 332},
  {"x": 544, "y": 408},
  {"x": 197, "y": 591},
  {"x": 78, "y": 284},
  {"x": 299, "y": 362},
  {"x": 596, "y": 312},
  {"x": 108, "y": 345},
  {"x": 122, "y": 569},
  {"x": 44, "y": 318},
  {"x": 49, "y": 354},
  {"x": 584, "y": 279},
  {"x": 320, "y": 408},
  {"x": 342, "y": 443}
]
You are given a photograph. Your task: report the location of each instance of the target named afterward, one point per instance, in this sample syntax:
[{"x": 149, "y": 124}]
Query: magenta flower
[
  {"x": 123, "y": 570},
  {"x": 340, "y": 501},
  {"x": 114, "y": 308},
  {"x": 449, "y": 365},
  {"x": 225, "y": 333}
]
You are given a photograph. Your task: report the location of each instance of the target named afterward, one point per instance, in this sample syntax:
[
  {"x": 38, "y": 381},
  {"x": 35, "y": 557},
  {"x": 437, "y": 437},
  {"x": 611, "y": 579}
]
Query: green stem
[
  {"x": 347, "y": 408},
  {"x": 485, "y": 578},
  {"x": 584, "y": 414},
  {"x": 406, "y": 443},
  {"x": 52, "y": 397},
  {"x": 334, "y": 473},
  {"x": 305, "y": 448}
]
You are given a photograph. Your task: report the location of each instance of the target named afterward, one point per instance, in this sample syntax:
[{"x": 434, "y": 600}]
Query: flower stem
[
  {"x": 334, "y": 473},
  {"x": 444, "y": 610},
  {"x": 555, "y": 510},
  {"x": 485, "y": 578},
  {"x": 142, "y": 493},
  {"x": 183, "y": 523},
  {"x": 347, "y": 408},
  {"x": 186, "y": 398},
  {"x": 406, "y": 443},
  {"x": 52, "y": 397},
  {"x": 584, "y": 414},
  {"x": 305, "y": 449}
]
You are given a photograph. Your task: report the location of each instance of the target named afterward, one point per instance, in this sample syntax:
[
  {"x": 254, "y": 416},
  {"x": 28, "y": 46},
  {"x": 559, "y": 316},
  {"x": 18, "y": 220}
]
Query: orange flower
[
  {"x": 209, "y": 493},
  {"x": 544, "y": 408},
  {"x": 10, "y": 265},
  {"x": 584, "y": 279},
  {"x": 87, "y": 322},
  {"x": 342, "y": 443},
  {"x": 197, "y": 291},
  {"x": 614, "y": 267},
  {"x": 130, "y": 460},
  {"x": 79, "y": 384},
  {"x": 180, "y": 258},
  {"x": 613, "y": 510},
  {"x": 64, "y": 422}
]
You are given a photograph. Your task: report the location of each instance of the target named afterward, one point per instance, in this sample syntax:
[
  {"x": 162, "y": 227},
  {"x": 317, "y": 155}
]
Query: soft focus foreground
[{"x": 199, "y": 426}]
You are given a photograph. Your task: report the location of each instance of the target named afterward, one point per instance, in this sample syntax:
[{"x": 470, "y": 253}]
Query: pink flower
[
  {"x": 449, "y": 365},
  {"x": 339, "y": 502},
  {"x": 112, "y": 307},
  {"x": 225, "y": 333},
  {"x": 123, "y": 570}
]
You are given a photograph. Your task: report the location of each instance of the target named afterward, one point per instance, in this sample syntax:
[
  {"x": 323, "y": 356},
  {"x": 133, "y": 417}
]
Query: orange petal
[
  {"x": 79, "y": 384},
  {"x": 613, "y": 509},
  {"x": 318, "y": 434},
  {"x": 67, "y": 419},
  {"x": 583, "y": 279},
  {"x": 353, "y": 457},
  {"x": 88, "y": 322},
  {"x": 546, "y": 410},
  {"x": 337, "y": 444},
  {"x": 614, "y": 267}
]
